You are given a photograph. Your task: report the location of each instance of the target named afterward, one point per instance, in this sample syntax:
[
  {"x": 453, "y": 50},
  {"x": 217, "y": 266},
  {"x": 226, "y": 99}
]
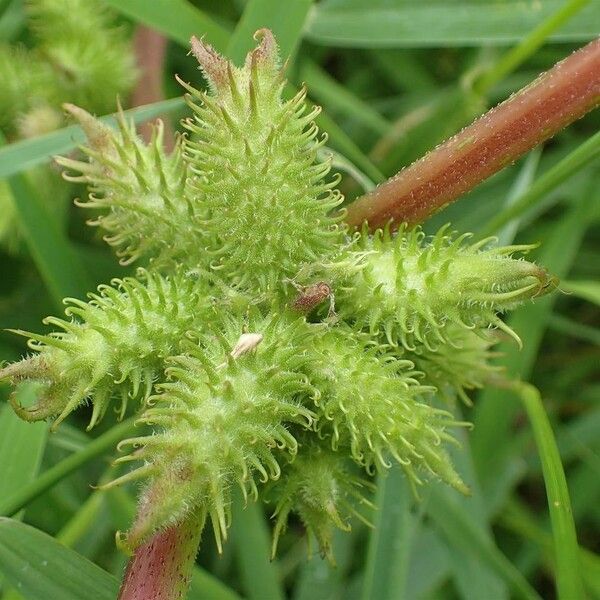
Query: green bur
[
  {"x": 412, "y": 290},
  {"x": 115, "y": 346}
]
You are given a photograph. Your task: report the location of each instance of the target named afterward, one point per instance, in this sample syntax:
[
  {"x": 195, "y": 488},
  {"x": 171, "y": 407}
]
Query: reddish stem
[
  {"x": 150, "y": 49},
  {"x": 554, "y": 100},
  {"x": 161, "y": 569}
]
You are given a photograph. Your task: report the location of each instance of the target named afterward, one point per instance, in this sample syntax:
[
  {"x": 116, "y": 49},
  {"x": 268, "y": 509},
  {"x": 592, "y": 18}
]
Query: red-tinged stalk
[
  {"x": 161, "y": 568},
  {"x": 554, "y": 100}
]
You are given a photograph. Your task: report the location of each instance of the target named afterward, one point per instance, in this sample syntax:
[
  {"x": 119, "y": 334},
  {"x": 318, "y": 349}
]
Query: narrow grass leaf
[
  {"x": 493, "y": 413},
  {"x": 471, "y": 580},
  {"x": 566, "y": 550},
  {"x": 518, "y": 519},
  {"x": 381, "y": 24},
  {"x": 56, "y": 260},
  {"x": 284, "y": 19},
  {"x": 587, "y": 290},
  {"x": 102, "y": 444},
  {"x": 459, "y": 530},
  {"x": 177, "y": 19},
  {"x": 574, "y": 329},
  {"x": 529, "y": 44},
  {"x": 21, "y": 446},
  {"x": 343, "y": 143},
  {"x": 25, "y": 154},
  {"x": 250, "y": 536},
  {"x": 390, "y": 541},
  {"x": 340, "y": 163},
  {"x": 334, "y": 95},
  {"x": 39, "y": 567},
  {"x": 523, "y": 181},
  {"x": 319, "y": 579}
]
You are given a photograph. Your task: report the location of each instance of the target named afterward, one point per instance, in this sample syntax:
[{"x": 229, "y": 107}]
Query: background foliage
[{"x": 395, "y": 77}]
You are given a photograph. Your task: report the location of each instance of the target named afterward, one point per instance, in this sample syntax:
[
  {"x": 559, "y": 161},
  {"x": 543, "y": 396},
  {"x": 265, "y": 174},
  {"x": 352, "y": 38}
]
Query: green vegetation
[{"x": 261, "y": 350}]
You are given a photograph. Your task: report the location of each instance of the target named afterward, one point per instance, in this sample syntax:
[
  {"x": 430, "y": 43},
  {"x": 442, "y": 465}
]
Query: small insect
[{"x": 311, "y": 296}]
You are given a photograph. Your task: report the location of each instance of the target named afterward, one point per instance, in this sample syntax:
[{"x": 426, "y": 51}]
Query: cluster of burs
[
  {"x": 270, "y": 348},
  {"x": 75, "y": 52}
]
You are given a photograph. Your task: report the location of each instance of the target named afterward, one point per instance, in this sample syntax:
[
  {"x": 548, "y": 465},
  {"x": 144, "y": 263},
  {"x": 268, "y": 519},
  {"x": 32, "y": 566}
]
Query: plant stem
[
  {"x": 161, "y": 569},
  {"x": 554, "y": 100}
]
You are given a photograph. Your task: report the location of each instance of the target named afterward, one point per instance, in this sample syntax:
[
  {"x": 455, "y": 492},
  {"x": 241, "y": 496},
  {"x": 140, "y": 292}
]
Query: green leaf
[
  {"x": 319, "y": 579},
  {"x": 106, "y": 442},
  {"x": 587, "y": 290},
  {"x": 177, "y": 19},
  {"x": 58, "y": 264},
  {"x": 568, "y": 570},
  {"x": 522, "y": 182},
  {"x": 284, "y": 19},
  {"x": 40, "y": 568},
  {"x": 25, "y": 154},
  {"x": 251, "y": 538},
  {"x": 575, "y": 329},
  {"x": 390, "y": 541},
  {"x": 464, "y": 536},
  {"x": 21, "y": 446},
  {"x": 332, "y": 94},
  {"x": 385, "y": 23}
]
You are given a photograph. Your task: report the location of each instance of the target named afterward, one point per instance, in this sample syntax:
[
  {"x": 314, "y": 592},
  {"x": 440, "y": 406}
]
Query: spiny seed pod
[
  {"x": 225, "y": 410},
  {"x": 115, "y": 345},
  {"x": 257, "y": 173},
  {"x": 26, "y": 82},
  {"x": 141, "y": 190},
  {"x": 410, "y": 290},
  {"x": 91, "y": 59},
  {"x": 457, "y": 368},
  {"x": 319, "y": 485},
  {"x": 374, "y": 405}
]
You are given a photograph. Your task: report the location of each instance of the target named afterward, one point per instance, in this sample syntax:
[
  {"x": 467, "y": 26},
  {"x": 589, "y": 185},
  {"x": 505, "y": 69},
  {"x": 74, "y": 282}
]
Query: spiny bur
[{"x": 270, "y": 348}]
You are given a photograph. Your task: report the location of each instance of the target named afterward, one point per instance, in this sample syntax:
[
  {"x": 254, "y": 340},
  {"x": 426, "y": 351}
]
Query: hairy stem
[
  {"x": 554, "y": 100},
  {"x": 161, "y": 568}
]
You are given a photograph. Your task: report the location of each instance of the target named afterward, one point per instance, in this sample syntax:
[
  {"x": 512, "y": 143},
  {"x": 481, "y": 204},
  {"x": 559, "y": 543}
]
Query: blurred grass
[{"x": 389, "y": 94}]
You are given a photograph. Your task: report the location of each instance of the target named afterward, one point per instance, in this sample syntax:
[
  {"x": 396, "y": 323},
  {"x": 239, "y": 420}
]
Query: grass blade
[
  {"x": 24, "y": 154},
  {"x": 251, "y": 539},
  {"x": 460, "y": 532},
  {"x": 319, "y": 579},
  {"x": 588, "y": 290},
  {"x": 177, "y": 19},
  {"x": 284, "y": 19},
  {"x": 390, "y": 541},
  {"x": 493, "y": 414},
  {"x": 107, "y": 441},
  {"x": 58, "y": 263},
  {"x": 431, "y": 23},
  {"x": 332, "y": 94},
  {"x": 568, "y": 571},
  {"x": 21, "y": 447},
  {"x": 40, "y": 568}
]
